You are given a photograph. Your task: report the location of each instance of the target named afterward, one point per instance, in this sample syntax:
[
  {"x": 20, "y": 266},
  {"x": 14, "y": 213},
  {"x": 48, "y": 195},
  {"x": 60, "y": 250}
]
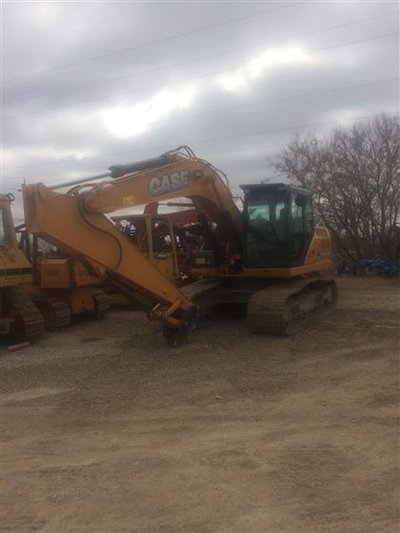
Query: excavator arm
[{"x": 62, "y": 220}]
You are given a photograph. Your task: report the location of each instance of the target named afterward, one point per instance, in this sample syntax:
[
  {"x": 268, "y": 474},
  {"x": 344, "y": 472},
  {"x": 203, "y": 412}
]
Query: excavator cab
[{"x": 277, "y": 225}]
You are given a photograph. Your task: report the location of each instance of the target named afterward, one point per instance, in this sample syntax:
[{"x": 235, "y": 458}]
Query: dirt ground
[{"x": 106, "y": 429}]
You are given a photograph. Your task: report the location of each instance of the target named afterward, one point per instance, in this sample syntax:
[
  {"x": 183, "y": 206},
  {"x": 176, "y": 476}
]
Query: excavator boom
[{"x": 172, "y": 175}]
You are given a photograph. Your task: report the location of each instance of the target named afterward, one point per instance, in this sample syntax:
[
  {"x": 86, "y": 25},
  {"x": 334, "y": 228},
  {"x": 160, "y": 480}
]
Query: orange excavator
[{"x": 269, "y": 256}]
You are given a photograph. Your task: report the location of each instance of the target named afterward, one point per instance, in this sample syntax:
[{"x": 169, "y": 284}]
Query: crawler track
[
  {"x": 283, "y": 309},
  {"x": 28, "y": 321},
  {"x": 56, "y": 313}
]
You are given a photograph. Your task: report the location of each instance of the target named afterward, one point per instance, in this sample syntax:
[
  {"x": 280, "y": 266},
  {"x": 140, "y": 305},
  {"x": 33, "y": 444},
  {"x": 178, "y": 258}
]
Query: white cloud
[
  {"x": 128, "y": 121},
  {"x": 11, "y": 157},
  {"x": 257, "y": 66}
]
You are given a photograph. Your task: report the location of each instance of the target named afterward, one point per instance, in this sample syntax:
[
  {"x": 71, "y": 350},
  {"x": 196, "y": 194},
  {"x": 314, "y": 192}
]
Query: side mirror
[{"x": 301, "y": 200}]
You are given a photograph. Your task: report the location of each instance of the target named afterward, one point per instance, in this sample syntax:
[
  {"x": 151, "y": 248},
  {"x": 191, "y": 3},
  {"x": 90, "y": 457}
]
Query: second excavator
[{"x": 270, "y": 255}]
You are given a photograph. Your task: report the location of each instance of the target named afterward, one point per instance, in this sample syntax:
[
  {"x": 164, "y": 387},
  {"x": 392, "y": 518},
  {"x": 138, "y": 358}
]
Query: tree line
[{"x": 354, "y": 174}]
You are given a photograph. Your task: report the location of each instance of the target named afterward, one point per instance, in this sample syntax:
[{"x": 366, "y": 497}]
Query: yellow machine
[
  {"x": 63, "y": 286},
  {"x": 19, "y": 315},
  {"x": 269, "y": 256}
]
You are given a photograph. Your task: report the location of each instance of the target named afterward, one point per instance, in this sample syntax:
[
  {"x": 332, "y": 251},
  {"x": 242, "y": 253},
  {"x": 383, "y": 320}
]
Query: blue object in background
[{"x": 379, "y": 266}]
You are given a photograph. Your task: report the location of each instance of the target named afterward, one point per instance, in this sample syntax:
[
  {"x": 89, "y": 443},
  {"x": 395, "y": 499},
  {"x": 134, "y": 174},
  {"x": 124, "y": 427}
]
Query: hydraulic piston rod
[
  {"x": 117, "y": 171},
  {"x": 79, "y": 181}
]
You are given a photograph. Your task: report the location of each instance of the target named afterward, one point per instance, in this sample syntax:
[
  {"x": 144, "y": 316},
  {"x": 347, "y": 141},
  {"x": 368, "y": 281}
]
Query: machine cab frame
[{"x": 278, "y": 225}]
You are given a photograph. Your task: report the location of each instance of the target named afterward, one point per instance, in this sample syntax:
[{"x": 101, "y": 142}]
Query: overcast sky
[{"x": 90, "y": 84}]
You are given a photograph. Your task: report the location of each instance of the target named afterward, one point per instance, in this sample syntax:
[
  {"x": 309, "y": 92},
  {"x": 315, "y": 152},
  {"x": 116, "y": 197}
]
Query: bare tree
[{"x": 355, "y": 176}]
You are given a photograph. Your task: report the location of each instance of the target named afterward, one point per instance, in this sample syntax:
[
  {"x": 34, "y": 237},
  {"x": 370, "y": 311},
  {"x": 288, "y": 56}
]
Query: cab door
[
  {"x": 266, "y": 227},
  {"x": 301, "y": 226}
]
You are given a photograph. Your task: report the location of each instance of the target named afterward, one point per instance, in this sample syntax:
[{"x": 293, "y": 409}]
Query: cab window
[
  {"x": 301, "y": 224},
  {"x": 259, "y": 212}
]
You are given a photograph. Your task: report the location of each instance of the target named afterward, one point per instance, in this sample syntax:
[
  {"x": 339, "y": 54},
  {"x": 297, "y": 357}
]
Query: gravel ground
[{"x": 106, "y": 429}]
